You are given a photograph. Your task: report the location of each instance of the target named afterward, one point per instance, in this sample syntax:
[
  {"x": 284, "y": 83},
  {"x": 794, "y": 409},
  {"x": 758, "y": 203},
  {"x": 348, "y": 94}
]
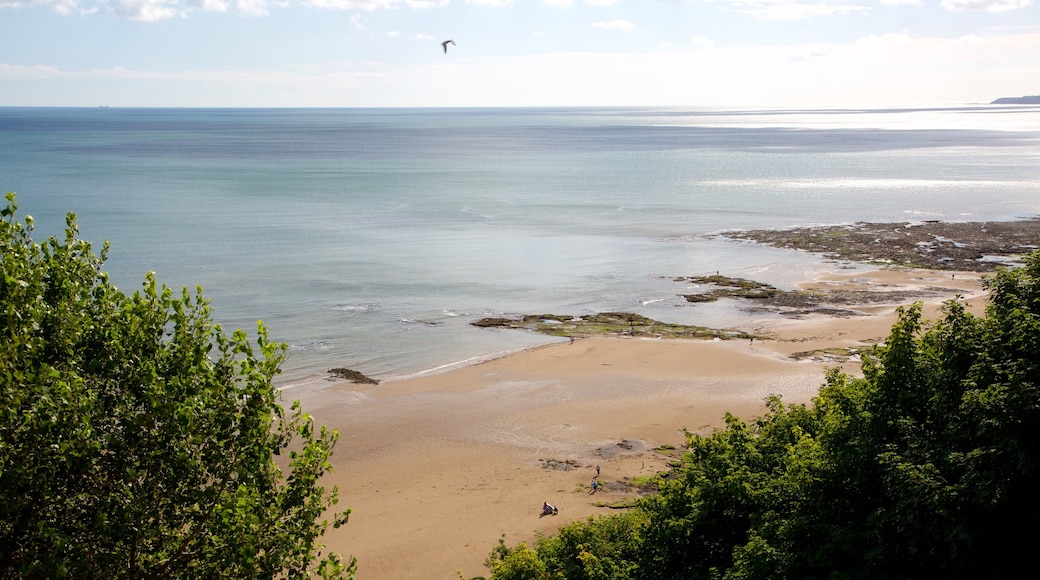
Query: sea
[{"x": 371, "y": 239}]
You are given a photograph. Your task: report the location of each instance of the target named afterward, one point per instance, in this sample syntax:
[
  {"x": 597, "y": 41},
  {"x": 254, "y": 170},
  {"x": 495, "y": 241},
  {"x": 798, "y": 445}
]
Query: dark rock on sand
[
  {"x": 726, "y": 287},
  {"x": 352, "y": 376},
  {"x": 964, "y": 246}
]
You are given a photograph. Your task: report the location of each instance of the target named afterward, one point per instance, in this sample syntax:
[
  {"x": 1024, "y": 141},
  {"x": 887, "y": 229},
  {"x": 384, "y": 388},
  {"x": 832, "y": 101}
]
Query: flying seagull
[{"x": 446, "y": 43}]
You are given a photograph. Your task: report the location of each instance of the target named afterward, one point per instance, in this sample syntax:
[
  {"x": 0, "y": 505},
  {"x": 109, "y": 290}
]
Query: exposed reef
[
  {"x": 726, "y": 287},
  {"x": 352, "y": 376},
  {"x": 964, "y": 246},
  {"x": 764, "y": 297},
  {"x": 606, "y": 323},
  {"x": 935, "y": 245}
]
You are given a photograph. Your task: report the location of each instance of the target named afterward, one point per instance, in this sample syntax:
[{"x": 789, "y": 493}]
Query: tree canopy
[
  {"x": 926, "y": 466},
  {"x": 137, "y": 439}
]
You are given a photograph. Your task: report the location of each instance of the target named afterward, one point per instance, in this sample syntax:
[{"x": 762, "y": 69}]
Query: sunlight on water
[{"x": 371, "y": 239}]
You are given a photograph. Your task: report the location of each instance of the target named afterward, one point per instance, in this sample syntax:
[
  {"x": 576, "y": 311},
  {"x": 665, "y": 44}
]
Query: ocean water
[{"x": 372, "y": 238}]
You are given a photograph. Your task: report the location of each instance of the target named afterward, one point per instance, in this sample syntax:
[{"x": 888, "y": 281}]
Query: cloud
[
  {"x": 985, "y": 5},
  {"x": 149, "y": 10},
  {"x": 795, "y": 9},
  {"x": 614, "y": 25},
  {"x": 19, "y": 72},
  {"x": 876, "y": 70},
  {"x": 252, "y": 7},
  {"x": 971, "y": 39},
  {"x": 59, "y": 6},
  {"x": 372, "y": 4},
  {"x": 394, "y": 34},
  {"x": 702, "y": 42},
  {"x": 154, "y": 10}
]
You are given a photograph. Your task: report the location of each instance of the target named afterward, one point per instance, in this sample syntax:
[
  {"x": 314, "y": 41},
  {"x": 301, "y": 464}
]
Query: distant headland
[{"x": 1026, "y": 100}]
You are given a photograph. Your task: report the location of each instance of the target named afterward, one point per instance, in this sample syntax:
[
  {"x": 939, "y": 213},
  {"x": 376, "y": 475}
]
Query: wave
[
  {"x": 414, "y": 321},
  {"x": 315, "y": 345},
  {"x": 355, "y": 307},
  {"x": 856, "y": 183}
]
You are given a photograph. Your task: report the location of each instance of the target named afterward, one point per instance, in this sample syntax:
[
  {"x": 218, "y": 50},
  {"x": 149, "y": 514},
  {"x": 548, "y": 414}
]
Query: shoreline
[
  {"x": 438, "y": 467},
  {"x": 872, "y": 283},
  {"x": 941, "y": 247}
]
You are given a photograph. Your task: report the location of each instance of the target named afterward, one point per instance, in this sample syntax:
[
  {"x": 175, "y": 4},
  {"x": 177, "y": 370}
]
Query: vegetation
[
  {"x": 928, "y": 466},
  {"x": 137, "y": 440}
]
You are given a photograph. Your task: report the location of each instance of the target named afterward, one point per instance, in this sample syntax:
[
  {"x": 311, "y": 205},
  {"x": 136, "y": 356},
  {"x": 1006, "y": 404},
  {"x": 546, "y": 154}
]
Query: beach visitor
[{"x": 597, "y": 470}]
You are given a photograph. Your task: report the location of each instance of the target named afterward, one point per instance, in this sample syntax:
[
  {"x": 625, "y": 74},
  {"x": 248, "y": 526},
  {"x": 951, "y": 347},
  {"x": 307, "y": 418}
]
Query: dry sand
[{"x": 437, "y": 468}]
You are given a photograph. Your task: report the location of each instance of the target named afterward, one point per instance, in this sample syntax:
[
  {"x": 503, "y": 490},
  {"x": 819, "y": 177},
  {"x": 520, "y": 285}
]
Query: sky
[{"x": 387, "y": 53}]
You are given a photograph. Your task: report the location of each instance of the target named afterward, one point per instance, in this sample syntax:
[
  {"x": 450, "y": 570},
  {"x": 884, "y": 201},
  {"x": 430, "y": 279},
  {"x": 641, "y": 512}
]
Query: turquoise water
[{"x": 370, "y": 239}]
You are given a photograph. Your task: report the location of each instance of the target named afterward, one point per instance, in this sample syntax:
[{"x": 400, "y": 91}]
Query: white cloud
[
  {"x": 986, "y": 5},
  {"x": 252, "y": 7},
  {"x": 614, "y": 25},
  {"x": 395, "y": 34},
  {"x": 154, "y": 10},
  {"x": 147, "y": 10},
  {"x": 59, "y": 6},
  {"x": 14, "y": 71},
  {"x": 971, "y": 39},
  {"x": 876, "y": 70},
  {"x": 601, "y": 2},
  {"x": 795, "y": 9},
  {"x": 702, "y": 42},
  {"x": 372, "y": 4}
]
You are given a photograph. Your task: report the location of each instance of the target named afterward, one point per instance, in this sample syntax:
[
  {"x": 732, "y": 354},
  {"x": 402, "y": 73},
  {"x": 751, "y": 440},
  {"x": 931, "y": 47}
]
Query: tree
[
  {"x": 926, "y": 466},
  {"x": 137, "y": 440}
]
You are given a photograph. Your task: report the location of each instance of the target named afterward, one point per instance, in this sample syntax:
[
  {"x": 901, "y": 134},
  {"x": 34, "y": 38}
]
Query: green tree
[
  {"x": 137, "y": 440},
  {"x": 604, "y": 548},
  {"x": 926, "y": 466}
]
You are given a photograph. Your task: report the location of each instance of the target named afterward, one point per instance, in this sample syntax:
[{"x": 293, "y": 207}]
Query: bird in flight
[{"x": 446, "y": 43}]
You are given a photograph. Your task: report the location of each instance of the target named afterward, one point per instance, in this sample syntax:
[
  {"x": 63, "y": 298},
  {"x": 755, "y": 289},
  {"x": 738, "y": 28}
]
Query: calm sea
[{"x": 371, "y": 238}]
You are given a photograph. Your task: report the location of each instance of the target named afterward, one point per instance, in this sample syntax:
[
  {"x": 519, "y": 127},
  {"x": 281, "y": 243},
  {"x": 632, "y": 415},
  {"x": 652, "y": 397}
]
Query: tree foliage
[
  {"x": 137, "y": 440},
  {"x": 927, "y": 466}
]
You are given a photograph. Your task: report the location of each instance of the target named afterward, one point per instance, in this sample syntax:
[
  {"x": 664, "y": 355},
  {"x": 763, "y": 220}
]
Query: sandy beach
[{"x": 437, "y": 468}]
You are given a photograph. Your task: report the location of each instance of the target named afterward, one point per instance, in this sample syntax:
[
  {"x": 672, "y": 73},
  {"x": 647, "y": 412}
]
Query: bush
[{"x": 137, "y": 439}]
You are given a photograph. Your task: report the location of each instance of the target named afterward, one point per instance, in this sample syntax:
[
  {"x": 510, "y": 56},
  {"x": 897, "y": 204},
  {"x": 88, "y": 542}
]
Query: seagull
[{"x": 446, "y": 43}]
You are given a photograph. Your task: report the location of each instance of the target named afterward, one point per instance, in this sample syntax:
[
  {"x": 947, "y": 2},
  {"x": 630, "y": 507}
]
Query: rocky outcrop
[
  {"x": 352, "y": 376},
  {"x": 968, "y": 246}
]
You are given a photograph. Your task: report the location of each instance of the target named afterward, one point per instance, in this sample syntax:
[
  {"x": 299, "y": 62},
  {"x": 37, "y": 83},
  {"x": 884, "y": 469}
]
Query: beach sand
[{"x": 437, "y": 468}]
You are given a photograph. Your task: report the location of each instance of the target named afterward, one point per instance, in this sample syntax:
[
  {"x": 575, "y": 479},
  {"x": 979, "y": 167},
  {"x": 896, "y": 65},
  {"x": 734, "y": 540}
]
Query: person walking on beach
[
  {"x": 597, "y": 470},
  {"x": 595, "y": 486}
]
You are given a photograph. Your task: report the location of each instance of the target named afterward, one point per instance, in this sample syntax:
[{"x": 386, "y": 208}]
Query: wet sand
[{"x": 437, "y": 468}]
